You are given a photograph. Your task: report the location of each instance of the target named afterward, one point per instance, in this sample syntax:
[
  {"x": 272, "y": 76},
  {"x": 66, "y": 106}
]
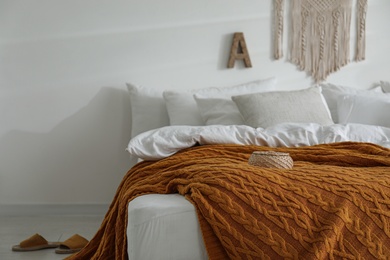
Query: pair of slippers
[{"x": 36, "y": 242}]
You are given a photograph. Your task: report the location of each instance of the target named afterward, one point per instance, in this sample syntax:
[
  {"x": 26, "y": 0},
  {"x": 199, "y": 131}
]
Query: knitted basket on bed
[{"x": 271, "y": 159}]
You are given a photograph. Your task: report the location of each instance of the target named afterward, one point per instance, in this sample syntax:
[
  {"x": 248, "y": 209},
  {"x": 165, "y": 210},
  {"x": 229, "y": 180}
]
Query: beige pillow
[{"x": 271, "y": 108}]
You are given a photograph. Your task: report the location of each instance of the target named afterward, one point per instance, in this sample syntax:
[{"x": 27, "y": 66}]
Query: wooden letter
[{"x": 239, "y": 51}]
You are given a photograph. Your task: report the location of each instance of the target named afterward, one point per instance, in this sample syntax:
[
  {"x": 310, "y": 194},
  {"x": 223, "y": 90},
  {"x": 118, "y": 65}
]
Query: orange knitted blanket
[{"x": 334, "y": 203}]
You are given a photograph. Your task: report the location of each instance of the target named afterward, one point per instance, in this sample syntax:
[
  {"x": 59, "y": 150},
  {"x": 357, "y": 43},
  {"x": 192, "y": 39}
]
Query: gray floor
[{"x": 53, "y": 228}]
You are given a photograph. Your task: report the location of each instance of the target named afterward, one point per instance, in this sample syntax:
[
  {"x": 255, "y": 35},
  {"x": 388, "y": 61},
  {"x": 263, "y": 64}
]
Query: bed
[{"x": 193, "y": 194}]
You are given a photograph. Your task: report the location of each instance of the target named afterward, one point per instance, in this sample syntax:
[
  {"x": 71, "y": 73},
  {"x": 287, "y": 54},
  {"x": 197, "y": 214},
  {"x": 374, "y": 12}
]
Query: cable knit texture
[{"x": 334, "y": 203}]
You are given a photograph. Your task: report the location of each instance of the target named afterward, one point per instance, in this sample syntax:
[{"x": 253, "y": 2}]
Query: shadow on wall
[{"x": 82, "y": 160}]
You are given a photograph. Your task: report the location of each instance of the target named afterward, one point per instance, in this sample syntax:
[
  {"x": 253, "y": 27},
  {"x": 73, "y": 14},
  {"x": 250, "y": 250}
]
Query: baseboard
[{"x": 53, "y": 209}]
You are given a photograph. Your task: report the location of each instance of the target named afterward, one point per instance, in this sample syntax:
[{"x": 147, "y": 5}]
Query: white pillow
[
  {"x": 364, "y": 110},
  {"x": 218, "y": 111},
  {"x": 148, "y": 109},
  {"x": 222, "y": 111},
  {"x": 182, "y": 107},
  {"x": 271, "y": 108},
  {"x": 385, "y": 86},
  {"x": 332, "y": 92}
]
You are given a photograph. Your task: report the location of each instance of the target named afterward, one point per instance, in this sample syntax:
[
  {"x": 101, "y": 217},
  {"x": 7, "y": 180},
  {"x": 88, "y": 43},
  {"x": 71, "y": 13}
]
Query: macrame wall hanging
[{"x": 319, "y": 39}]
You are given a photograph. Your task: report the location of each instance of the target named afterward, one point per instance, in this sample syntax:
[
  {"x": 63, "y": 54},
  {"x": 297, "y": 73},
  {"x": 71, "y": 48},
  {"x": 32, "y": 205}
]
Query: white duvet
[{"x": 163, "y": 142}]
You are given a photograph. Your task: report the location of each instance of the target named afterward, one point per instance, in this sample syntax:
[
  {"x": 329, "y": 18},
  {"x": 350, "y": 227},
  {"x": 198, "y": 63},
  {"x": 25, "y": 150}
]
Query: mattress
[{"x": 163, "y": 227}]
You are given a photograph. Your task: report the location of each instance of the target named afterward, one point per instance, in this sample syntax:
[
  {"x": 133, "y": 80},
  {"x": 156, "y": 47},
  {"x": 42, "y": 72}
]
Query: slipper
[
  {"x": 35, "y": 242},
  {"x": 72, "y": 245}
]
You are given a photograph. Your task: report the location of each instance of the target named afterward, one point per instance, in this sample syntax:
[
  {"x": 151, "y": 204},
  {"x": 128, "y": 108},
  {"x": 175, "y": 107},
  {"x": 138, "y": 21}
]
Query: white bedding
[
  {"x": 163, "y": 142},
  {"x": 163, "y": 227},
  {"x": 166, "y": 226}
]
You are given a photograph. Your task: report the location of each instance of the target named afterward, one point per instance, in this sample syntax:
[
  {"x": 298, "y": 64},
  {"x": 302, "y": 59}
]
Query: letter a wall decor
[
  {"x": 239, "y": 51},
  {"x": 320, "y": 34}
]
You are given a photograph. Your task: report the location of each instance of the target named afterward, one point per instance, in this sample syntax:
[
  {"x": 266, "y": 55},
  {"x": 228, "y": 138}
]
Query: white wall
[{"x": 64, "y": 110}]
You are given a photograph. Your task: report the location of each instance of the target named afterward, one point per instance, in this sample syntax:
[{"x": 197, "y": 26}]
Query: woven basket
[{"x": 271, "y": 159}]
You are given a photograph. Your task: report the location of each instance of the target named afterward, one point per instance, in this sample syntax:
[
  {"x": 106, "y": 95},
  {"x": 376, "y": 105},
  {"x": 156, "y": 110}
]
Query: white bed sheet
[
  {"x": 163, "y": 227},
  {"x": 163, "y": 142}
]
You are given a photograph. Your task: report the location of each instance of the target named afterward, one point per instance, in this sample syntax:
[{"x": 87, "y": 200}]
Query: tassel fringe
[{"x": 320, "y": 34}]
